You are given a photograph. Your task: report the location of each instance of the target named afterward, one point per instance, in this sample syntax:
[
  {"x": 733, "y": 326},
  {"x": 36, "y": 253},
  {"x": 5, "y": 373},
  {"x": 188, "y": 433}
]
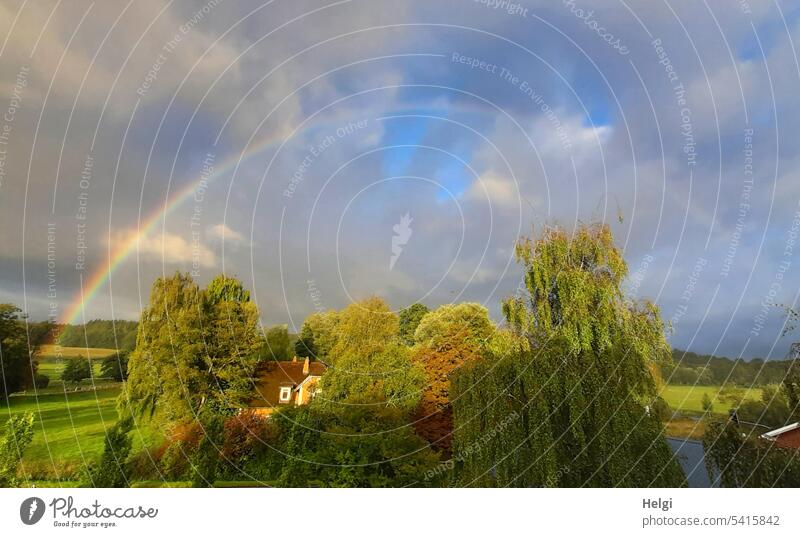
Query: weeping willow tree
[{"x": 566, "y": 400}]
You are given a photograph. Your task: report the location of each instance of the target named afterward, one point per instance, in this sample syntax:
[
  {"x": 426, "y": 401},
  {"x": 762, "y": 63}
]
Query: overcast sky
[{"x": 324, "y": 151}]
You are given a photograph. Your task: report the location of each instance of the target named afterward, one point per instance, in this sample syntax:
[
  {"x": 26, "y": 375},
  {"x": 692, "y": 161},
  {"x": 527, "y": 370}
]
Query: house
[
  {"x": 283, "y": 383},
  {"x": 787, "y": 437}
]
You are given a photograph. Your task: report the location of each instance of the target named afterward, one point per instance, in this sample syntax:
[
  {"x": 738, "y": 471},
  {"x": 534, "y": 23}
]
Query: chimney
[{"x": 305, "y": 366}]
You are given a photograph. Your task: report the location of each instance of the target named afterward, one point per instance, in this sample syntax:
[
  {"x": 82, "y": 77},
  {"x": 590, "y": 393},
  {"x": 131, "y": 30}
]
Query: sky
[{"x": 326, "y": 151}]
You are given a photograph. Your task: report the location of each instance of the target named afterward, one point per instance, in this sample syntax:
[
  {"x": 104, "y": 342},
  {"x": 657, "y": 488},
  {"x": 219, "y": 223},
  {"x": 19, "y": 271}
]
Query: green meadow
[{"x": 689, "y": 399}]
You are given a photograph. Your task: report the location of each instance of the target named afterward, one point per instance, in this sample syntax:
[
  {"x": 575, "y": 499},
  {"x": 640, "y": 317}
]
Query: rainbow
[{"x": 119, "y": 252}]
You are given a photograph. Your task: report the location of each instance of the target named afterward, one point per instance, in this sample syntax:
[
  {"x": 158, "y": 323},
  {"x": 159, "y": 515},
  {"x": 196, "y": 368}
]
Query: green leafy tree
[
  {"x": 361, "y": 446},
  {"x": 410, "y": 318},
  {"x": 569, "y": 408},
  {"x": 76, "y": 369},
  {"x": 739, "y": 458},
  {"x": 17, "y": 357},
  {"x": 371, "y": 365},
  {"x": 317, "y": 336},
  {"x": 205, "y": 462},
  {"x": 708, "y": 406},
  {"x": 277, "y": 346},
  {"x": 15, "y": 440},
  {"x": 110, "y": 471},
  {"x": 195, "y": 348},
  {"x": 115, "y": 366}
]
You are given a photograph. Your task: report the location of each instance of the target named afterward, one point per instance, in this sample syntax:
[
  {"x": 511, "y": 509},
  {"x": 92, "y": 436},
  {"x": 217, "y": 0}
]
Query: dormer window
[{"x": 286, "y": 394}]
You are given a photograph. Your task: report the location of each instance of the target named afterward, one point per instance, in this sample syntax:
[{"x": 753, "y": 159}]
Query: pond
[{"x": 692, "y": 459}]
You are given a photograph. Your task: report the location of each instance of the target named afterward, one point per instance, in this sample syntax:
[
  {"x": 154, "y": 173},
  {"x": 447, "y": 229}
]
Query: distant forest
[
  {"x": 100, "y": 334},
  {"x": 688, "y": 368}
]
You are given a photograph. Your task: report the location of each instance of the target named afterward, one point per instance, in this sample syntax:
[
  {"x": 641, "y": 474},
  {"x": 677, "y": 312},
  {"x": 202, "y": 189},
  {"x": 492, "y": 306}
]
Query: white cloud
[
  {"x": 223, "y": 233},
  {"x": 168, "y": 248}
]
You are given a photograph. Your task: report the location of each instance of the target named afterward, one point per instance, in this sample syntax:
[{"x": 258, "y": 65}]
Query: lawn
[
  {"x": 69, "y": 429},
  {"x": 56, "y": 351},
  {"x": 689, "y": 399},
  {"x": 52, "y": 358}
]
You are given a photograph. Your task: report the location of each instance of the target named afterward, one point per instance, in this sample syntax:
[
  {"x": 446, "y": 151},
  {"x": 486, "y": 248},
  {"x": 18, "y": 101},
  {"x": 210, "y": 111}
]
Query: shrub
[{"x": 18, "y": 435}]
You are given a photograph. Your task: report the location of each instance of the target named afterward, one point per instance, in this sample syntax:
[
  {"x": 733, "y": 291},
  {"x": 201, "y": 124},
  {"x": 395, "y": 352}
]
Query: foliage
[
  {"x": 115, "y": 366},
  {"x": 361, "y": 446},
  {"x": 568, "y": 409},
  {"x": 16, "y": 355},
  {"x": 110, "y": 471},
  {"x": 41, "y": 381},
  {"x": 101, "y": 334},
  {"x": 708, "y": 407},
  {"x": 446, "y": 339},
  {"x": 205, "y": 462},
  {"x": 317, "y": 336},
  {"x": 771, "y": 411},
  {"x": 194, "y": 348},
  {"x": 371, "y": 364},
  {"x": 690, "y": 369},
  {"x": 277, "y": 345},
  {"x": 16, "y": 438},
  {"x": 410, "y": 318},
  {"x": 76, "y": 369},
  {"x": 742, "y": 459}
]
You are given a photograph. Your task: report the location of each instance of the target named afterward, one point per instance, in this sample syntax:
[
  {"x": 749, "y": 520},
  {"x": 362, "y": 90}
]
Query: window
[{"x": 286, "y": 394}]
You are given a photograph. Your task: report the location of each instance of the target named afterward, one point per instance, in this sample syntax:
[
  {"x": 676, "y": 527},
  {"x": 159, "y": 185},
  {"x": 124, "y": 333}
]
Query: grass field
[
  {"x": 47, "y": 352},
  {"x": 69, "y": 429},
  {"x": 689, "y": 399},
  {"x": 52, "y": 358}
]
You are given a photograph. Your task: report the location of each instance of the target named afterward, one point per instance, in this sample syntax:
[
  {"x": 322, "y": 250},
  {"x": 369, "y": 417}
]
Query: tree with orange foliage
[{"x": 446, "y": 339}]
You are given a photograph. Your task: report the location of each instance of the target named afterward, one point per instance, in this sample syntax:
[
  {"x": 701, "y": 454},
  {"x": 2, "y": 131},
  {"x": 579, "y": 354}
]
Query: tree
[
  {"x": 708, "y": 406},
  {"x": 363, "y": 327},
  {"x": 205, "y": 462},
  {"x": 410, "y": 318},
  {"x": 741, "y": 459},
  {"x": 277, "y": 346},
  {"x": 110, "y": 471},
  {"x": 115, "y": 366},
  {"x": 568, "y": 408},
  {"x": 317, "y": 336},
  {"x": 17, "y": 437},
  {"x": 76, "y": 369},
  {"x": 194, "y": 348},
  {"x": 370, "y": 365},
  {"x": 446, "y": 339},
  {"x": 360, "y": 446},
  {"x": 17, "y": 358}
]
